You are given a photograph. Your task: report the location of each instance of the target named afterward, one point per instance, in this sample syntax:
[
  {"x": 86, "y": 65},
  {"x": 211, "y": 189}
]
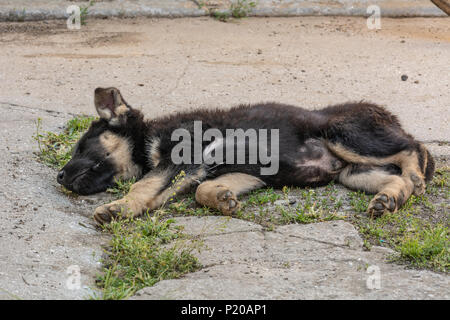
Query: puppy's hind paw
[
  {"x": 419, "y": 184},
  {"x": 227, "y": 202},
  {"x": 380, "y": 204}
]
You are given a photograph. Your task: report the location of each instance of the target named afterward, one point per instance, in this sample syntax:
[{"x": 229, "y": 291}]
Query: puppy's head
[{"x": 105, "y": 152}]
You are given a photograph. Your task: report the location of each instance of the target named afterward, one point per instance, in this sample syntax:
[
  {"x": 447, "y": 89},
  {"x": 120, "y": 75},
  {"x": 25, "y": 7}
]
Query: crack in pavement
[
  {"x": 223, "y": 233},
  {"x": 324, "y": 242},
  {"x": 52, "y": 112},
  {"x": 172, "y": 90}
]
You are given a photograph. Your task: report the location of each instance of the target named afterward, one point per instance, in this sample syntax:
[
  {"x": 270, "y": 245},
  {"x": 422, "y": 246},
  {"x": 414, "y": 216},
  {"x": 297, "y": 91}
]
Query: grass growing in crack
[
  {"x": 143, "y": 252},
  {"x": 238, "y": 9},
  {"x": 84, "y": 10},
  {"x": 16, "y": 15},
  {"x": 242, "y": 8},
  {"x": 55, "y": 150}
]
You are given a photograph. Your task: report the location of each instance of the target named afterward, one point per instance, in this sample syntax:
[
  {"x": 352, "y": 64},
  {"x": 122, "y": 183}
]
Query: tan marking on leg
[
  {"x": 392, "y": 191},
  {"x": 424, "y": 150},
  {"x": 221, "y": 193},
  {"x": 146, "y": 195},
  {"x": 407, "y": 161},
  {"x": 119, "y": 150},
  {"x": 371, "y": 181}
]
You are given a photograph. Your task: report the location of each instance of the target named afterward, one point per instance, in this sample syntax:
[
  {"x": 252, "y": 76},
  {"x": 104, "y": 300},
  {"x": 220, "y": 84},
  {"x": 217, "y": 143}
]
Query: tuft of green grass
[
  {"x": 442, "y": 177},
  {"x": 241, "y": 8},
  {"x": 221, "y": 15},
  {"x": 426, "y": 246},
  {"x": 238, "y": 9},
  {"x": 121, "y": 187},
  {"x": 16, "y": 15},
  {"x": 55, "y": 150},
  {"x": 143, "y": 252},
  {"x": 307, "y": 214},
  {"x": 262, "y": 196},
  {"x": 359, "y": 201},
  {"x": 313, "y": 214},
  {"x": 440, "y": 185}
]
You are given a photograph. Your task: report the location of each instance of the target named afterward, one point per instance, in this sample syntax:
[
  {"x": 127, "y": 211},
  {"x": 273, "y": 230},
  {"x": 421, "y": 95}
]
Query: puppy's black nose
[{"x": 60, "y": 176}]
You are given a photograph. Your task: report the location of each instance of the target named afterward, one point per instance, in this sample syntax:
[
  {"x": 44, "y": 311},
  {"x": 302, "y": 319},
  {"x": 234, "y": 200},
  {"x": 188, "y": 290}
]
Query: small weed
[
  {"x": 22, "y": 15},
  {"x": 315, "y": 214},
  {"x": 442, "y": 177},
  {"x": 182, "y": 205},
  {"x": 16, "y": 15},
  {"x": 221, "y": 15},
  {"x": 241, "y": 8},
  {"x": 121, "y": 187},
  {"x": 84, "y": 10}
]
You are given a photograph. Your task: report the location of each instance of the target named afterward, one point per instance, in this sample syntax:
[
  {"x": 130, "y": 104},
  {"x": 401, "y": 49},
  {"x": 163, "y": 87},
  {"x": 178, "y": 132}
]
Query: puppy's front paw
[
  {"x": 117, "y": 209},
  {"x": 107, "y": 212}
]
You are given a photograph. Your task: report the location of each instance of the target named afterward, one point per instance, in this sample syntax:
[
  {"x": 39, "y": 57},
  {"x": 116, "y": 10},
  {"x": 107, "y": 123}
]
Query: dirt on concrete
[{"x": 165, "y": 66}]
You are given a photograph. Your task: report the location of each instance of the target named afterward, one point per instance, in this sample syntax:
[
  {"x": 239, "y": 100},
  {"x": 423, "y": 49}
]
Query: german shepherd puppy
[{"x": 359, "y": 145}]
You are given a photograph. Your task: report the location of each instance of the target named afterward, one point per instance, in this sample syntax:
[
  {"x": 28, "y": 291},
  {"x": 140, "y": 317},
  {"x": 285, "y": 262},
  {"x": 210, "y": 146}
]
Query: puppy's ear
[{"x": 110, "y": 105}]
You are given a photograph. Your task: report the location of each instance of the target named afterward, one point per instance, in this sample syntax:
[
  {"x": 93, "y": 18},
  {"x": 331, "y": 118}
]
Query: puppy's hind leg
[
  {"x": 364, "y": 133},
  {"x": 391, "y": 189},
  {"x": 416, "y": 164}
]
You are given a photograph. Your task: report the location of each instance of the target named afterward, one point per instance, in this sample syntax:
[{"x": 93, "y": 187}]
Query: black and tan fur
[{"x": 360, "y": 145}]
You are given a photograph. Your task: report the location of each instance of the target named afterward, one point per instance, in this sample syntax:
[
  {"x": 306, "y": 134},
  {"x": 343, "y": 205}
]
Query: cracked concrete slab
[
  {"x": 165, "y": 66},
  {"x": 316, "y": 261}
]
